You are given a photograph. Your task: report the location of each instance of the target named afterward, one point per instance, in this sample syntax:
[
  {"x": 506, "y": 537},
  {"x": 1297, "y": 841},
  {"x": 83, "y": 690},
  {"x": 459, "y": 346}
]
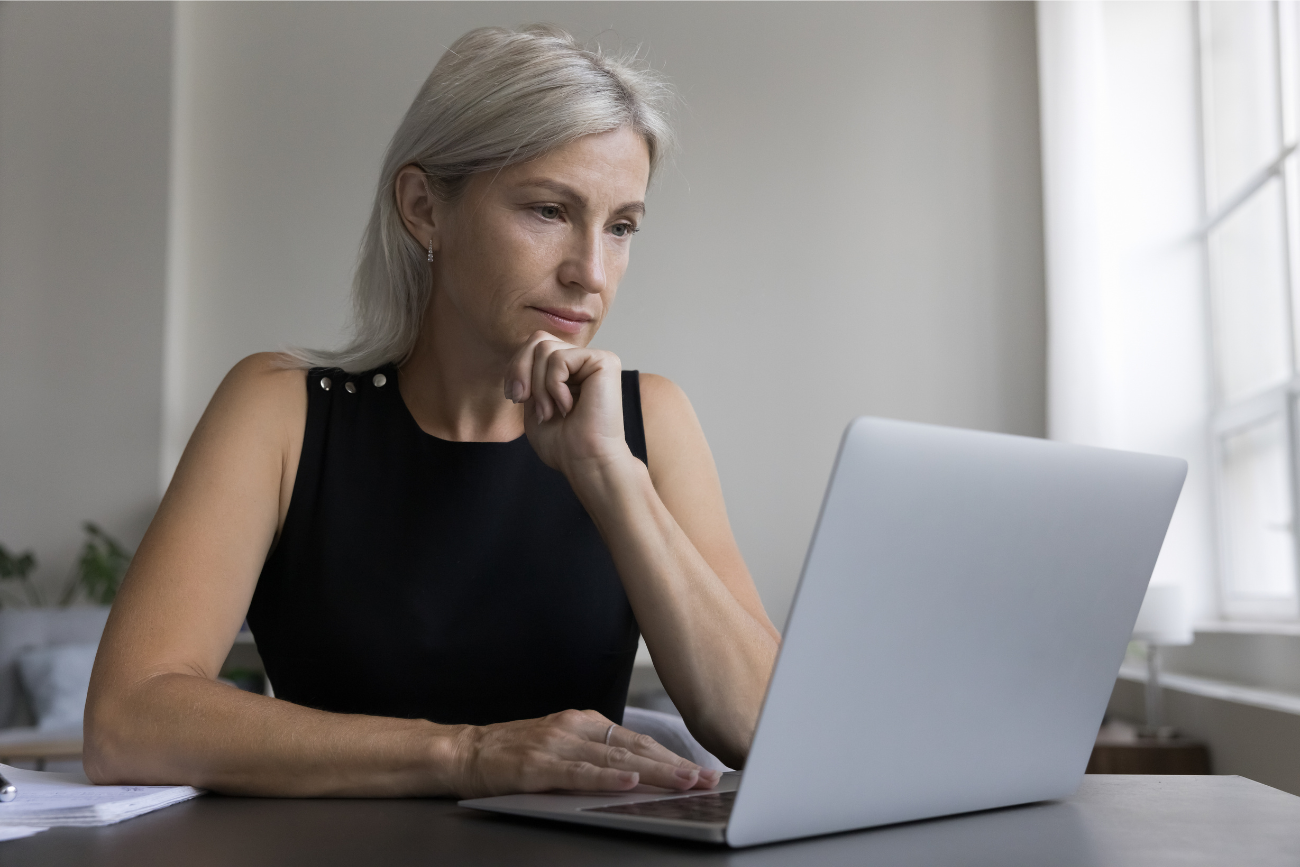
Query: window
[{"x": 1250, "y": 97}]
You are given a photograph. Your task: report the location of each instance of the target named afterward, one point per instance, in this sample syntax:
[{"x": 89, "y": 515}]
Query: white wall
[
  {"x": 853, "y": 226},
  {"x": 84, "y": 92}
]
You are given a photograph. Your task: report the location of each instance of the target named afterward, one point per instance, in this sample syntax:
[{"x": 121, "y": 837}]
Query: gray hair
[{"x": 497, "y": 97}]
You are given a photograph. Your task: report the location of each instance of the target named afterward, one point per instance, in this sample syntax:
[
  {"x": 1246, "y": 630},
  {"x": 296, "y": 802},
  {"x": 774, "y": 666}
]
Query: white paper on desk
[
  {"x": 48, "y": 800},
  {"x": 17, "y": 832}
]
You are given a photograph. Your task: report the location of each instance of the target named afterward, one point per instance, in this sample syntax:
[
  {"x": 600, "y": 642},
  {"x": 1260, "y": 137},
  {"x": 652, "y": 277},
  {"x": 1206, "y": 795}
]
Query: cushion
[
  {"x": 22, "y": 628},
  {"x": 56, "y": 679}
]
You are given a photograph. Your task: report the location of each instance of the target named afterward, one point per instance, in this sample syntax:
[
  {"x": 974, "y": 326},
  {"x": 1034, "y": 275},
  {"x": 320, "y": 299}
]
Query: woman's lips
[{"x": 568, "y": 321}]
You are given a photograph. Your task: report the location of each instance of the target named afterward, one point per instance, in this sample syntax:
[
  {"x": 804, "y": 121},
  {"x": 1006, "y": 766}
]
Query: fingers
[
  {"x": 558, "y": 371},
  {"x": 548, "y": 372},
  {"x": 649, "y": 771},
  {"x": 519, "y": 371},
  {"x": 580, "y": 736},
  {"x": 586, "y": 777},
  {"x": 628, "y": 750},
  {"x": 528, "y": 376},
  {"x": 546, "y": 395},
  {"x": 567, "y": 750},
  {"x": 559, "y": 380},
  {"x": 644, "y": 745}
]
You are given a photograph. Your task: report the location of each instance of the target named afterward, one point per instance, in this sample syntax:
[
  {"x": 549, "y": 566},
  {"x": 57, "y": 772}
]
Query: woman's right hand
[{"x": 567, "y": 750}]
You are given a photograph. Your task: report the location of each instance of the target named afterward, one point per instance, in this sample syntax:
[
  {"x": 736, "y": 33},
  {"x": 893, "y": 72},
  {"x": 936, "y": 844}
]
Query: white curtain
[{"x": 1127, "y": 338}]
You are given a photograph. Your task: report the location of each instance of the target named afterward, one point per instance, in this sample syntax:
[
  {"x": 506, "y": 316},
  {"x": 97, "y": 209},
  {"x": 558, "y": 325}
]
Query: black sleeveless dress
[{"x": 459, "y": 582}]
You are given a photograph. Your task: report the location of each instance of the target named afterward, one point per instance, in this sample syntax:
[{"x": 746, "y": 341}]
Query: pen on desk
[{"x": 7, "y": 790}]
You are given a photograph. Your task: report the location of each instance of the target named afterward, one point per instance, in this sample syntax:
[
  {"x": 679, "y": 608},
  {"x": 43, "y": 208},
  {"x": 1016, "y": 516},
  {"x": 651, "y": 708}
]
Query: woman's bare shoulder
[
  {"x": 674, "y": 438},
  {"x": 268, "y": 383},
  {"x": 265, "y": 375},
  {"x": 249, "y": 437},
  {"x": 663, "y": 398},
  {"x": 262, "y": 399}
]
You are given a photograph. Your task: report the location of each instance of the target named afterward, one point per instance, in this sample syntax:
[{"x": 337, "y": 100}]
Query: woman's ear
[{"x": 418, "y": 206}]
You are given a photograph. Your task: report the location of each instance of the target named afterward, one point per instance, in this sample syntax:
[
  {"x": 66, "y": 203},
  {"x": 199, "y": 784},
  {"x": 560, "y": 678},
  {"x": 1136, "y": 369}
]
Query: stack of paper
[{"x": 47, "y": 800}]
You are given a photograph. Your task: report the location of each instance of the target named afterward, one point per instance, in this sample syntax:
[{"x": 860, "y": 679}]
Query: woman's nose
[{"x": 585, "y": 264}]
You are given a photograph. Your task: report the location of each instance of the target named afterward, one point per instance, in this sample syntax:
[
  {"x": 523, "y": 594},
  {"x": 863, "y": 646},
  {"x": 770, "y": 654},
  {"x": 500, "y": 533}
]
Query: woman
[{"x": 446, "y": 536}]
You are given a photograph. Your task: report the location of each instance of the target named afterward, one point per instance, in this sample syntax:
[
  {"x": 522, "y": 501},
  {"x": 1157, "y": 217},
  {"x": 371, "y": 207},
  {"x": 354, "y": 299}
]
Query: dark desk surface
[{"x": 1112, "y": 820}]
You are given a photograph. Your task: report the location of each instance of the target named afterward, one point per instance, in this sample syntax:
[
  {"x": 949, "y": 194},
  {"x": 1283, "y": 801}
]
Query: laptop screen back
[{"x": 964, "y": 608}]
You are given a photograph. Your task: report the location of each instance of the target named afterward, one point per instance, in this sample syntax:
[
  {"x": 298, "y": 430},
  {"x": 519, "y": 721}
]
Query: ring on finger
[{"x": 609, "y": 732}]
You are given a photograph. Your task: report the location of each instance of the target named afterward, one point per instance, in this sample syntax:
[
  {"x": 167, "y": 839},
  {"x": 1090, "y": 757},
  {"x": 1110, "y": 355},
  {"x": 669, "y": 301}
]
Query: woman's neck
[{"x": 453, "y": 383}]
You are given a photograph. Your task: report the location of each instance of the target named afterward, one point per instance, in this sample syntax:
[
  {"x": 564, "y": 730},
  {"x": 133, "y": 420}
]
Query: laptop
[{"x": 964, "y": 607}]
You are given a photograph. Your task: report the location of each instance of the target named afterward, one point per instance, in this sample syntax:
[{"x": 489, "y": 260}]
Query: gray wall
[
  {"x": 853, "y": 226},
  {"x": 84, "y": 114}
]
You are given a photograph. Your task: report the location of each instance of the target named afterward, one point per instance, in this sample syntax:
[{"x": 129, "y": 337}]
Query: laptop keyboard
[{"x": 713, "y": 807}]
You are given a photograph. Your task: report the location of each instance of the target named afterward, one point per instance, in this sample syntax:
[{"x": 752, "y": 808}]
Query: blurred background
[
  {"x": 1070, "y": 219},
  {"x": 853, "y": 226}
]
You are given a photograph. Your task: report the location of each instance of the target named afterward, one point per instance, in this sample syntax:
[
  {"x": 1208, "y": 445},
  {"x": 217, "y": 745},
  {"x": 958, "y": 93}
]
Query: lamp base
[{"x": 1160, "y": 733}]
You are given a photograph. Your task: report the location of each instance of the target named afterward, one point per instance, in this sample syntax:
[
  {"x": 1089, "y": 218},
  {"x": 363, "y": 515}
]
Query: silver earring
[{"x": 430, "y": 249}]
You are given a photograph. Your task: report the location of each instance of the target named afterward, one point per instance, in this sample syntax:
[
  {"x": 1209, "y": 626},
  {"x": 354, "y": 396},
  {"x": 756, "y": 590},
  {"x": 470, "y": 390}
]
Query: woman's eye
[
  {"x": 623, "y": 230},
  {"x": 549, "y": 212}
]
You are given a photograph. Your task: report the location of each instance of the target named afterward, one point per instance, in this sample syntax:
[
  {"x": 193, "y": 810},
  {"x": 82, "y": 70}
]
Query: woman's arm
[
  {"x": 719, "y": 675},
  {"x": 156, "y": 713},
  {"x": 666, "y": 526}
]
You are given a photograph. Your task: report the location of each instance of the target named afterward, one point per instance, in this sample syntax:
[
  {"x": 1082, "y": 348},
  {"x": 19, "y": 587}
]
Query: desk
[{"x": 1112, "y": 820}]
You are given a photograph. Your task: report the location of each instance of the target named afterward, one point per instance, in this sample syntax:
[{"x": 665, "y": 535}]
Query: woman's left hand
[{"x": 573, "y": 403}]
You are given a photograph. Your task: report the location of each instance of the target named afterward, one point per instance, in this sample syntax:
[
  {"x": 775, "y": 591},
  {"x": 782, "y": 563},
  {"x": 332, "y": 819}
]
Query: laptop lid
[{"x": 964, "y": 607}]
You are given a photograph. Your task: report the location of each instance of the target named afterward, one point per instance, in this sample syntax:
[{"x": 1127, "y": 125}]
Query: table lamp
[{"x": 1164, "y": 621}]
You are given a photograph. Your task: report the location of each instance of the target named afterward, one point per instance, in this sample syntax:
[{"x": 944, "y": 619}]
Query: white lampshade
[{"x": 1164, "y": 618}]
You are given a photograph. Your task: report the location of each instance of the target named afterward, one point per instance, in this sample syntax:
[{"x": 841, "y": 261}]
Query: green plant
[
  {"x": 99, "y": 569},
  {"x": 17, "y": 568},
  {"x": 95, "y": 576}
]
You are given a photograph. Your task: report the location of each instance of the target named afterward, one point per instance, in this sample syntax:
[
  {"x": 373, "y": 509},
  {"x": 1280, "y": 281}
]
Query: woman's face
[{"x": 540, "y": 245}]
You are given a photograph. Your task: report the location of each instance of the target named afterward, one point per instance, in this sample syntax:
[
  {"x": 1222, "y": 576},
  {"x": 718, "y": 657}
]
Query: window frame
[{"x": 1282, "y": 399}]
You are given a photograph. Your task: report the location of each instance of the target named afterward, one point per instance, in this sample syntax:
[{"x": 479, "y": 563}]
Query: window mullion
[
  {"x": 1288, "y": 84},
  {"x": 1294, "y": 466},
  {"x": 1287, "y": 70},
  {"x": 1208, "y": 193},
  {"x": 1205, "y": 111}
]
